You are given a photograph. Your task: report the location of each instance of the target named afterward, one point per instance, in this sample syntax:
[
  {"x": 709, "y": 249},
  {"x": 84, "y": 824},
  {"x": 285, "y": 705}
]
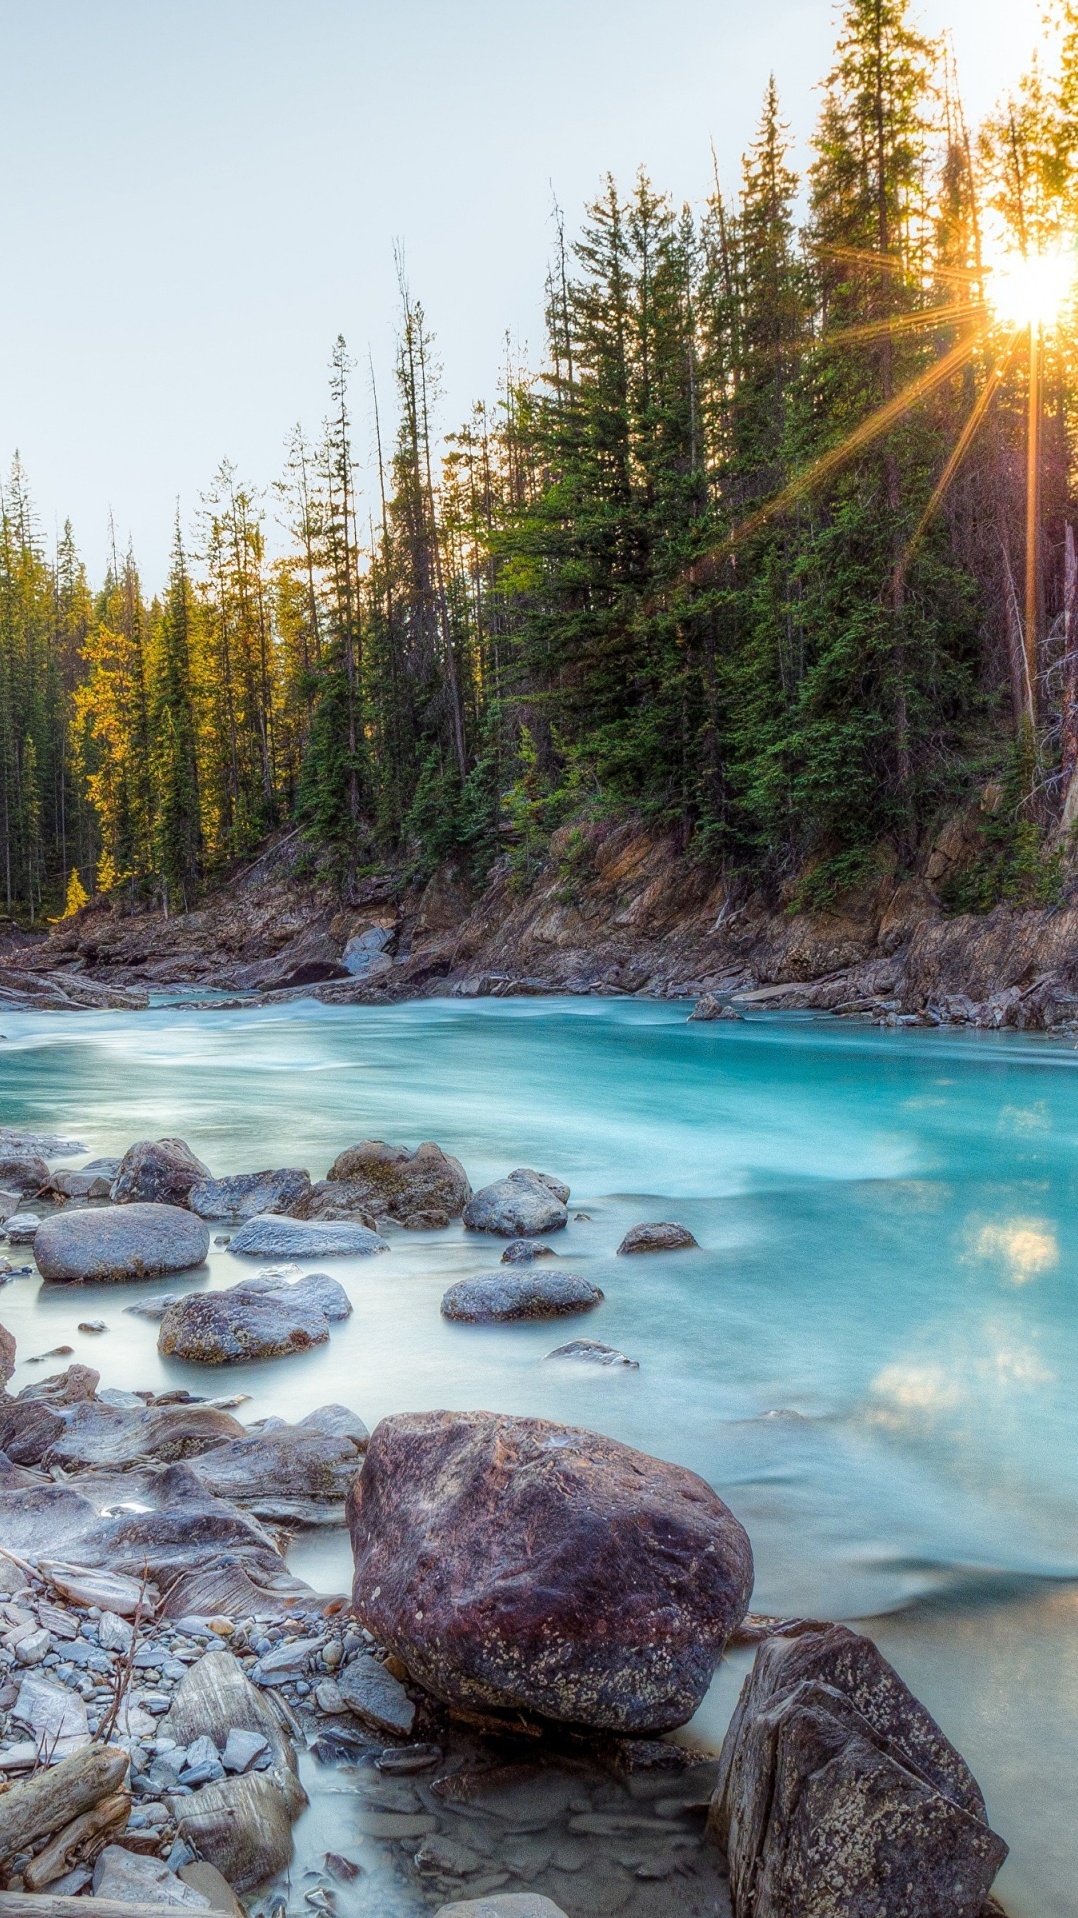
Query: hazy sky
[{"x": 200, "y": 194}]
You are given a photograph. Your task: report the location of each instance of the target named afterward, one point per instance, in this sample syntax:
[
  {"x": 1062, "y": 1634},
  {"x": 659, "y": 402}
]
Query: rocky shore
[
  {"x": 535, "y": 1610},
  {"x": 613, "y": 909}
]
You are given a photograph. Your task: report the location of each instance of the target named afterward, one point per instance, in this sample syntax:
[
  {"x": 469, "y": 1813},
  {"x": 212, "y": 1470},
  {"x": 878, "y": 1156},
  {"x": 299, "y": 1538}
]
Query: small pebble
[{"x": 92, "y": 1325}]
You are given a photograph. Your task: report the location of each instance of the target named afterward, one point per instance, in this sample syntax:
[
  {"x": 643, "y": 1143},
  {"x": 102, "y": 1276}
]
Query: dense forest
[{"x": 748, "y": 553}]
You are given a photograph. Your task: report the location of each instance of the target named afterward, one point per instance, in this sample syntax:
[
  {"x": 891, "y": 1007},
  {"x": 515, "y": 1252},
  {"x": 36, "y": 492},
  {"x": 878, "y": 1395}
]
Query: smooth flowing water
[{"x": 873, "y": 1356}]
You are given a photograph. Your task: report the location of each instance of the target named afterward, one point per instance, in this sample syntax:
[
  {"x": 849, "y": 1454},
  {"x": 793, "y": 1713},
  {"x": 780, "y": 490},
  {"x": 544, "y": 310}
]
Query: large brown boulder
[
  {"x": 158, "y": 1171},
  {"x": 517, "y": 1564},
  {"x": 839, "y": 1795},
  {"x": 7, "y": 1354},
  {"x": 424, "y": 1187}
]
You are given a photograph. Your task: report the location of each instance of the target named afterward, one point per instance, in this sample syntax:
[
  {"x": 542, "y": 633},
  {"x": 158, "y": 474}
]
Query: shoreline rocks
[
  {"x": 132, "y": 1241},
  {"x": 514, "y": 1564},
  {"x": 506, "y": 1296},
  {"x": 523, "y": 1205}
]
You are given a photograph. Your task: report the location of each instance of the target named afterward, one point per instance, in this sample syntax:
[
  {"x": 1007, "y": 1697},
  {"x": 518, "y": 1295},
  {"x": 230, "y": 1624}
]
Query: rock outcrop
[
  {"x": 506, "y": 1296},
  {"x": 158, "y": 1171},
  {"x": 134, "y": 1241},
  {"x": 523, "y": 1205},
  {"x": 839, "y": 1795},
  {"x": 515, "y": 1564}
]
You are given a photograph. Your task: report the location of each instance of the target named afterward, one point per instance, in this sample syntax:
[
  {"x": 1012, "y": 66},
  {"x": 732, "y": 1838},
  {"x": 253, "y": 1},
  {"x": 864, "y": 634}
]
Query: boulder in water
[
  {"x": 271, "y": 1237},
  {"x": 523, "y": 1251},
  {"x": 517, "y": 1564},
  {"x": 590, "y": 1352},
  {"x": 424, "y": 1188},
  {"x": 24, "y": 1173},
  {"x": 839, "y": 1794},
  {"x": 250, "y": 1193},
  {"x": 223, "y": 1328},
  {"x": 519, "y": 1295},
  {"x": 158, "y": 1171},
  {"x": 521, "y": 1206},
  {"x": 318, "y": 1289},
  {"x": 662, "y": 1237},
  {"x": 7, "y": 1354},
  {"x": 292, "y": 1473},
  {"x": 134, "y": 1241}
]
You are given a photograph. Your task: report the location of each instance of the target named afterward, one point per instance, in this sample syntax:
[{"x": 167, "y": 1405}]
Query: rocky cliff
[{"x": 614, "y": 909}]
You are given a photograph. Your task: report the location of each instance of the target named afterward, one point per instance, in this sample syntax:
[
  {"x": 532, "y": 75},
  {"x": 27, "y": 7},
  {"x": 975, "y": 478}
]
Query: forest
[{"x": 749, "y": 553}]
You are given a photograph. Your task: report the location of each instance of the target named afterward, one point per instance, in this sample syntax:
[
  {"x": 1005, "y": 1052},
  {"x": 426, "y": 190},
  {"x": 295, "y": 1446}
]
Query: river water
[{"x": 873, "y": 1356}]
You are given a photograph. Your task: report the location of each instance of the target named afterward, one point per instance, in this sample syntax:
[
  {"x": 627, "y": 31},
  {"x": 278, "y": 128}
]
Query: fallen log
[
  {"x": 39, "y": 1806},
  {"x": 79, "y": 1842}
]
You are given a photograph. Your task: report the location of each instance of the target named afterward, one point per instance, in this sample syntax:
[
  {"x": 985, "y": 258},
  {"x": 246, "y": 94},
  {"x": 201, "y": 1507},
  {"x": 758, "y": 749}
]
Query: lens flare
[{"x": 1031, "y": 289}]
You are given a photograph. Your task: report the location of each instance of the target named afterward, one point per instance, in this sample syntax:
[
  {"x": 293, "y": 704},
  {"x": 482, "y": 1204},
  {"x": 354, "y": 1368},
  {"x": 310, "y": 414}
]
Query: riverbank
[{"x": 610, "y": 910}]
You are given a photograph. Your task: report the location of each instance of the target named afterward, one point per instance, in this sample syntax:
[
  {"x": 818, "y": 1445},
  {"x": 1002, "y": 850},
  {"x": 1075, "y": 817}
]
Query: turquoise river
[{"x": 873, "y": 1356}]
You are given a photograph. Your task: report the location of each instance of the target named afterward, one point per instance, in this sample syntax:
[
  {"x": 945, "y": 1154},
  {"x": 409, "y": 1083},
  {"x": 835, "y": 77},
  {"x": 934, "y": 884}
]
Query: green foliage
[{"x": 1014, "y": 868}]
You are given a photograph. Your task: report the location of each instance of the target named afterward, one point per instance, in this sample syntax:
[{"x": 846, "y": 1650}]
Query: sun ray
[
  {"x": 862, "y": 436},
  {"x": 891, "y": 263},
  {"x": 964, "y": 442},
  {"x": 903, "y": 323}
]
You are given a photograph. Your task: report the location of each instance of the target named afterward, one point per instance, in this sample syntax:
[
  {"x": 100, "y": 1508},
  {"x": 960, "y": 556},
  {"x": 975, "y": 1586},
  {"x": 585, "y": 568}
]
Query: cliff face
[{"x": 615, "y": 909}]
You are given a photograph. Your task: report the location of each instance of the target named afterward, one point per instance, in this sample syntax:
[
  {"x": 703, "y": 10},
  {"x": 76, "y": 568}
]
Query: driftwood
[
  {"x": 80, "y": 1841},
  {"x": 25, "y": 1904},
  {"x": 39, "y": 1806}
]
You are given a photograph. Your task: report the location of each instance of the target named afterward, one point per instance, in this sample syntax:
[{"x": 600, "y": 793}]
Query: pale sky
[{"x": 200, "y": 194}]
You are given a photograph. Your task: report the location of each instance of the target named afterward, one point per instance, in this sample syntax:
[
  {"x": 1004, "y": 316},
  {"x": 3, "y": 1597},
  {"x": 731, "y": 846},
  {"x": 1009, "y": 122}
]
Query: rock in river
[
  {"x": 158, "y": 1170},
  {"x": 523, "y": 1251},
  {"x": 590, "y": 1352},
  {"x": 250, "y": 1193},
  {"x": 517, "y": 1564},
  {"x": 221, "y": 1328},
  {"x": 24, "y": 1173},
  {"x": 122, "y": 1242},
  {"x": 839, "y": 1795},
  {"x": 271, "y": 1237},
  {"x": 520, "y": 1206},
  {"x": 376, "y": 1696},
  {"x": 662, "y": 1237},
  {"x": 519, "y": 1295},
  {"x": 422, "y": 1188}
]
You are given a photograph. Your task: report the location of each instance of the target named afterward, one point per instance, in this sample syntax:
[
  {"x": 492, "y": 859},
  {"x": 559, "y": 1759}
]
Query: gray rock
[
  {"x": 336, "y": 1421},
  {"x": 134, "y": 1241},
  {"x": 523, "y": 1251},
  {"x": 590, "y": 1352},
  {"x": 662, "y": 1237},
  {"x": 519, "y": 1295},
  {"x": 7, "y": 1354},
  {"x": 226, "y": 1328},
  {"x": 158, "y": 1171},
  {"x": 709, "y": 1007},
  {"x": 522, "y": 1206},
  {"x": 23, "y": 1172},
  {"x": 249, "y": 1194},
  {"x": 242, "y": 1825},
  {"x": 241, "y": 1749},
  {"x": 838, "y": 1793},
  {"x": 424, "y": 1188},
  {"x": 114, "y": 1634},
  {"x": 271, "y": 1237},
  {"x": 376, "y": 1696},
  {"x": 23, "y": 1228},
  {"x": 84, "y": 1184},
  {"x": 49, "y": 1145},
  {"x": 317, "y": 1290},
  {"x": 153, "y": 1309},
  {"x": 134, "y": 1879},
  {"x": 365, "y": 953}
]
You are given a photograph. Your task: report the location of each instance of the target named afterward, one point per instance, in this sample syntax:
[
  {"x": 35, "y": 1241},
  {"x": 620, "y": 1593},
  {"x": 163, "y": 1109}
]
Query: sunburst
[{"x": 1020, "y": 294}]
